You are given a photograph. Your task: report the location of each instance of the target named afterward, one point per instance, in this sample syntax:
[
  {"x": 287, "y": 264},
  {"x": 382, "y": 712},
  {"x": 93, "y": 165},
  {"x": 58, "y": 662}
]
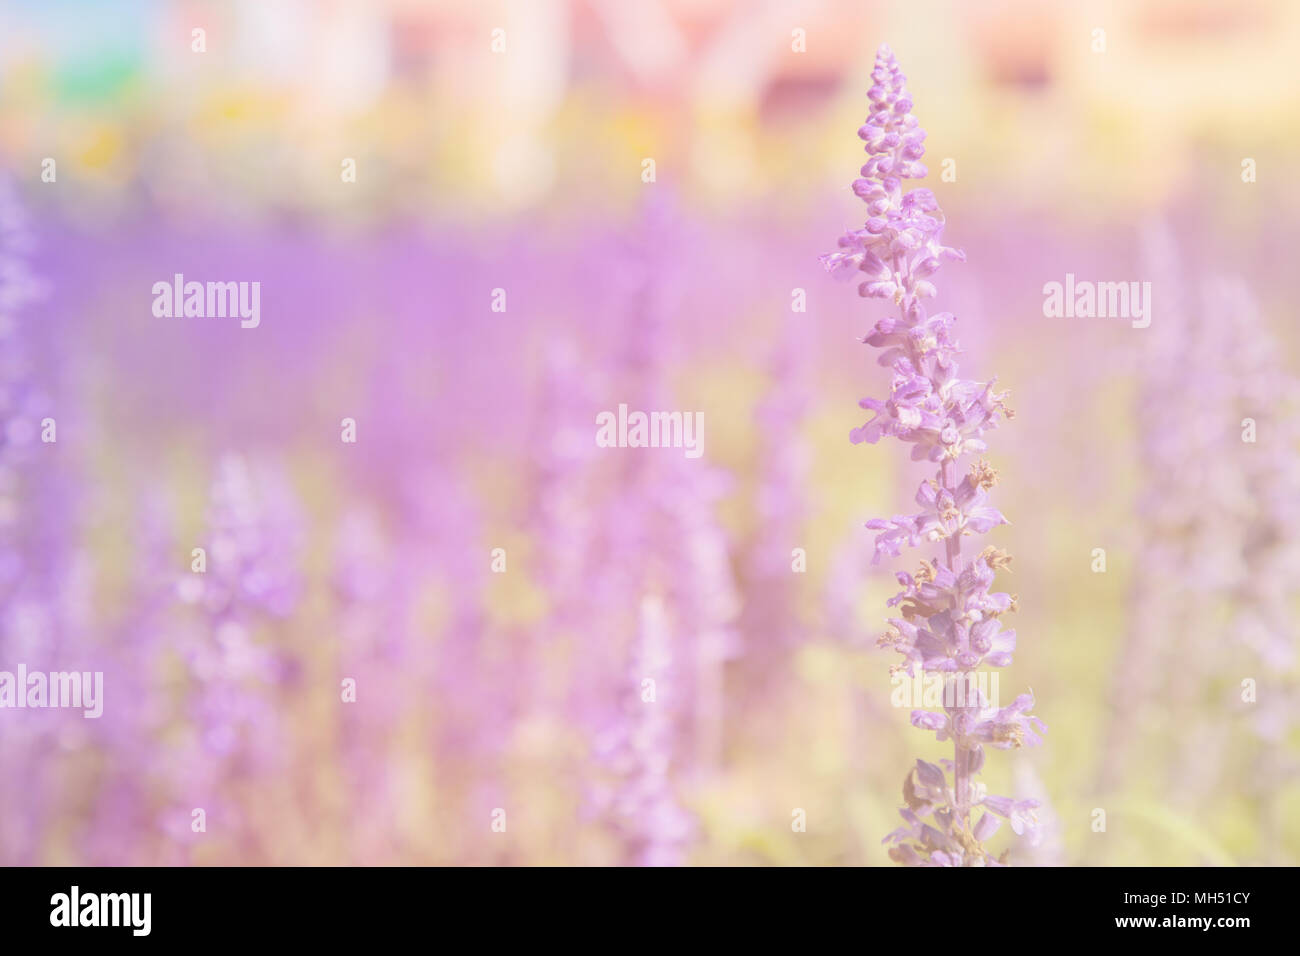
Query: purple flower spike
[{"x": 948, "y": 618}]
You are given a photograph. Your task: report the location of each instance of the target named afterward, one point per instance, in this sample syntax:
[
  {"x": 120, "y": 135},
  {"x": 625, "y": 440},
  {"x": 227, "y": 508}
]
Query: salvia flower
[
  {"x": 949, "y": 616},
  {"x": 641, "y": 804},
  {"x": 772, "y": 622},
  {"x": 1214, "y": 389},
  {"x": 250, "y": 580},
  {"x": 31, "y": 549},
  {"x": 667, "y": 542}
]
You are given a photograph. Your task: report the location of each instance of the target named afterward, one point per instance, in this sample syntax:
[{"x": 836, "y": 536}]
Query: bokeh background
[{"x": 520, "y": 169}]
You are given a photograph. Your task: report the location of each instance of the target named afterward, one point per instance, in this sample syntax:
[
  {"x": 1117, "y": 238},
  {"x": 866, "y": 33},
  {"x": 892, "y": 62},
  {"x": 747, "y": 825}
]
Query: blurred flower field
[{"x": 365, "y": 587}]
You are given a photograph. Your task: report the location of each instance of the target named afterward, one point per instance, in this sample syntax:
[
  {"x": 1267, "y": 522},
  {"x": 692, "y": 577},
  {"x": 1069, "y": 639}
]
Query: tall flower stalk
[
  {"x": 950, "y": 623},
  {"x": 771, "y": 613},
  {"x": 251, "y": 581},
  {"x": 39, "y": 574},
  {"x": 668, "y": 555},
  {"x": 642, "y": 804},
  {"x": 1227, "y": 402}
]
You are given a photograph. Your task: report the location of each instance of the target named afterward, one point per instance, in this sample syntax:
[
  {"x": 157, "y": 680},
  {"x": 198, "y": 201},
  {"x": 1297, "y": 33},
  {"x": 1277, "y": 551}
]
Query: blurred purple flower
[
  {"x": 251, "y": 581},
  {"x": 1215, "y": 391},
  {"x": 641, "y": 803}
]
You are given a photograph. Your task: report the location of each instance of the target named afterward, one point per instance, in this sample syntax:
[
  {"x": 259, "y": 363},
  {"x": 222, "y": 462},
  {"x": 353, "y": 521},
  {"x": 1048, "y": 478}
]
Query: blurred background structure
[{"x": 501, "y": 268}]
